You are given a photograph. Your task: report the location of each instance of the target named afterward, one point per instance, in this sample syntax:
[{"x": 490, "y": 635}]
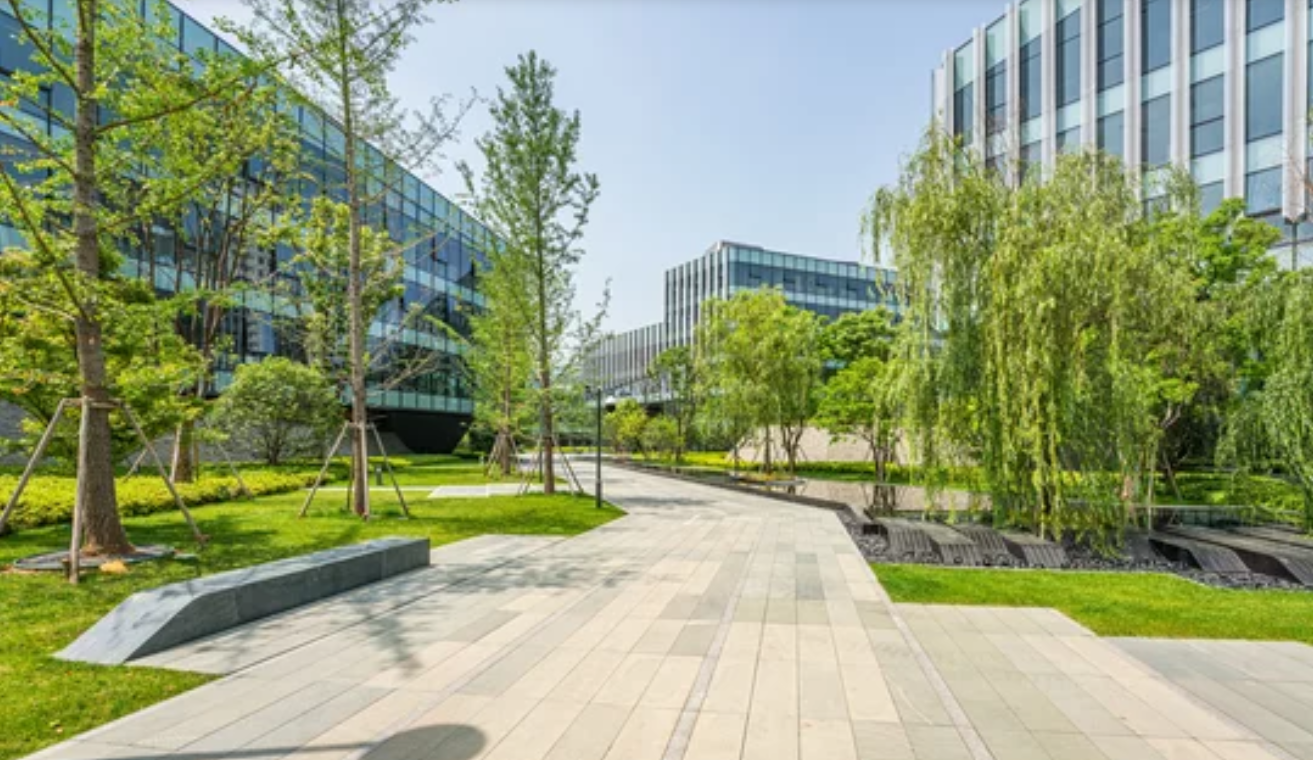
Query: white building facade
[{"x": 1220, "y": 87}]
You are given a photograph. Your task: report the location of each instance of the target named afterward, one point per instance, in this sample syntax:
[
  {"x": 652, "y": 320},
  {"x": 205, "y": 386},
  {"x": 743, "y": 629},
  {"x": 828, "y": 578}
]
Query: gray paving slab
[{"x": 702, "y": 625}]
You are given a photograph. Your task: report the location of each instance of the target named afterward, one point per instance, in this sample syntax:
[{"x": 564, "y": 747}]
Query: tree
[
  {"x": 857, "y": 335},
  {"x": 353, "y": 45},
  {"x": 1272, "y": 426},
  {"x": 674, "y": 373},
  {"x": 78, "y": 191},
  {"x": 661, "y": 436},
  {"x": 1043, "y": 328},
  {"x": 761, "y": 362},
  {"x": 625, "y": 425},
  {"x": 500, "y": 363},
  {"x": 864, "y": 400},
  {"x": 538, "y": 203},
  {"x": 279, "y": 408}
]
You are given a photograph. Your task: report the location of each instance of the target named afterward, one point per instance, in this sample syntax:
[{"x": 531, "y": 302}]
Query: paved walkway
[{"x": 704, "y": 625}]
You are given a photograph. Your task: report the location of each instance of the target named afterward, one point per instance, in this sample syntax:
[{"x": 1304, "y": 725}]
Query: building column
[
  {"x": 1295, "y": 194},
  {"x": 1234, "y": 29},
  {"x": 1048, "y": 12},
  {"x": 948, "y": 81},
  {"x": 1132, "y": 54},
  {"x": 1089, "y": 73},
  {"x": 978, "y": 139},
  {"x": 1012, "y": 157},
  {"x": 1179, "y": 135}
]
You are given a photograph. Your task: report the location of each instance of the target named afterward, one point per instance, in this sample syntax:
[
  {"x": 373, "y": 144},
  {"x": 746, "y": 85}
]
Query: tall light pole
[{"x": 598, "y": 391}]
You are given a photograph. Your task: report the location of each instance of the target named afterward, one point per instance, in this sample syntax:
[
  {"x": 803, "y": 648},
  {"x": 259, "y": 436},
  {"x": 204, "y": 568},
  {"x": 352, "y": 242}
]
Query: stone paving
[{"x": 704, "y": 625}]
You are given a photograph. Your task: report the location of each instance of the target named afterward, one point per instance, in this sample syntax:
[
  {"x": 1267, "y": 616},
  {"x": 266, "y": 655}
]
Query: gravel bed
[{"x": 875, "y": 548}]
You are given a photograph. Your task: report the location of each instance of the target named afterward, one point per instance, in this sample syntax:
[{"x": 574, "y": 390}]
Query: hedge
[{"x": 48, "y": 499}]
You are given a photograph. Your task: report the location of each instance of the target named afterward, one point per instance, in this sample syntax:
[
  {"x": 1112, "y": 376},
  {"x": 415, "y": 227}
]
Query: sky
[{"x": 766, "y": 122}]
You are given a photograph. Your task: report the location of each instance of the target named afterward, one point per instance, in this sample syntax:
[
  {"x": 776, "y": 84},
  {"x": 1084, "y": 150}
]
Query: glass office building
[
  {"x": 428, "y": 412},
  {"x": 1221, "y": 87},
  {"x": 826, "y": 287}
]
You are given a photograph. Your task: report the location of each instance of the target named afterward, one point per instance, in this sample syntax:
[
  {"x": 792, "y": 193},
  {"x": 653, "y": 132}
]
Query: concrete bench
[{"x": 152, "y": 621}]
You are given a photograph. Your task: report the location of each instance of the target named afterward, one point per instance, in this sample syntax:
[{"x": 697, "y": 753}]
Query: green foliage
[
  {"x": 1273, "y": 425},
  {"x": 279, "y": 408},
  {"x": 624, "y": 426},
  {"x": 858, "y": 335},
  {"x": 864, "y": 400},
  {"x": 1045, "y": 327},
  {"x": 48, "y": 500},
  {"x": 675, "y": 374},
  {"x": 533, "y": 196},
  {"x": 759, "y": 359},
  {"x": 661, "y": 436}
]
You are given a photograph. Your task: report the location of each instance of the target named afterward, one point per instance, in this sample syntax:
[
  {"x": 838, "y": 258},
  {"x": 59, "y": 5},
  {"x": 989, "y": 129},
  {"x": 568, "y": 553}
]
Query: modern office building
[
  {"x": 429, "y": 412},
  {"x": 1221, "y": 87},
  {"x": 826, "y": 287}
]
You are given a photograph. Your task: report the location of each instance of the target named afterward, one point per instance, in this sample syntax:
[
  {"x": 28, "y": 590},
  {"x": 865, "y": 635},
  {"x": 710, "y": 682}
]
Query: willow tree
[
  {"x": 1060, "y": 325},
  {"x": 1272, "y": 428},
  {"x": 351, "y": 47},
  {"x": 535, "y": 198},
  {"x": 78, "y": 191}
]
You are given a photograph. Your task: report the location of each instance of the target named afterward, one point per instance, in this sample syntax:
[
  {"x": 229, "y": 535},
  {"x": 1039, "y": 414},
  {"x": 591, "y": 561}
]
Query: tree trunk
[
  {"x": 96, "y": 498},
  {"x": 183, "y": 467},
  {"x": 545, "y": 377}
]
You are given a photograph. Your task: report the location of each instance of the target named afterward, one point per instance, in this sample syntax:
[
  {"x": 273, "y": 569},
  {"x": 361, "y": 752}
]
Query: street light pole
[{"x": 599, "y": 448}]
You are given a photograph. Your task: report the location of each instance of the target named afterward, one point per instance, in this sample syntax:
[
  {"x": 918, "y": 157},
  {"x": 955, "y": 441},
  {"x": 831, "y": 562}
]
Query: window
[
  {"x": 1155, "y": 131},
  {"x": 1112, "y": 134},
  {"x": 1263, "y": 98},
  {"x": 1156, "y": 34},
  {"x": 1210, "y": 197},
  {"x": 1206, "y": 116},
  {"x": 963, "y": 110},
  {"x": 1069, "y": 141},
  {"x": 1030, "y": 159},
  {"x": 1032, "y": 101},
  {"x": 1111, "y": 46},
  {"x": 1068, "y": 68},
  {"x": 1263, "y": 191},
  {"x": 1206, "y": 24},
  {"x": 996, "y": 98},
  {"x": 1261, "y": 13}
]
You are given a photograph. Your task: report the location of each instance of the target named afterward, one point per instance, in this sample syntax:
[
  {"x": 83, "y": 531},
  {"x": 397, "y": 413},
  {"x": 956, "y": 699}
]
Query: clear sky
[{"x": 767, "y": 122}]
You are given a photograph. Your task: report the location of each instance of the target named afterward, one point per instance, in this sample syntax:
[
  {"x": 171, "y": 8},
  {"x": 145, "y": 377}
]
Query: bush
[
  {"x": 279, "y": 408},
  {"x": 48, "y": 500}
]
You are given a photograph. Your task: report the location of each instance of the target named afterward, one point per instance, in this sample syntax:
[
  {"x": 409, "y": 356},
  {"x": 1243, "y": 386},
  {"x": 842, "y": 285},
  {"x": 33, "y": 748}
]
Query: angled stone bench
[{"x": 155, "y": 620}]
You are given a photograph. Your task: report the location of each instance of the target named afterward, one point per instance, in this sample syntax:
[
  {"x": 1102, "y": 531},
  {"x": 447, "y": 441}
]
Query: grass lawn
[
  {"x": 46, "y": 700},
  {"x": 1115, "y": 604}
]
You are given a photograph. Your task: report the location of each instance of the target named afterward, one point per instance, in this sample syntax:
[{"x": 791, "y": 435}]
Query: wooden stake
[
  {"x": 32, "y": 463},
  {"x": 324, "y": 471},
  {"x": 387, "y": 463},
  {"x": 200, "y": 537}
]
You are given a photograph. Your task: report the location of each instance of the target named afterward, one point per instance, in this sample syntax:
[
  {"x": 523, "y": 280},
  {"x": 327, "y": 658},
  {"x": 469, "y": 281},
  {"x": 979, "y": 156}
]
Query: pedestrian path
[{"x": 704, "y": 625}]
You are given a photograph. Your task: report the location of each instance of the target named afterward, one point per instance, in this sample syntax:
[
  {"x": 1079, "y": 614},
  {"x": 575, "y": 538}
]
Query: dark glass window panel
[
  {"x": 1263, "y": 191},
  {"x": 1069, "y": 141},
  {"x": 1068, "y": 64},
  {"x": 1032, "y": 101},
  {"x": 1260, "y": 13},
  {"x": 963, "y": 112},
  {"x": 1207, "y": 100},
  {"x": 15, "y": 52},
  {"x": 1112, "y": 134},
  {"x": 1112, "y": 72},
  {"x": 1207, "y": 138},
  {"x": 1112, "y": 39},
  {"x": 1110, "y": 10},
  {"x": 996, "y": 99},
  {"x": 1263, "y": 87},
  {"x": 1207, "y": 29},
  {"x": 1156, "y": 34},
  {"x": 1155, "y": 131}
]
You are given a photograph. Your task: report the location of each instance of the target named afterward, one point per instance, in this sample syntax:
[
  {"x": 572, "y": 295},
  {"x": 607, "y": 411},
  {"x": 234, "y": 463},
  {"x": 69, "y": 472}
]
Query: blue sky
[{"x": 767, "y": 122}]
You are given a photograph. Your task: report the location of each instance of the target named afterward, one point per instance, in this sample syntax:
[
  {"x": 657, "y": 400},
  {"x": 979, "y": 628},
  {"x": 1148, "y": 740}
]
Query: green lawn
[
  {"x": 1115, "y": 604},
  {"x": 46, "y": 700}
]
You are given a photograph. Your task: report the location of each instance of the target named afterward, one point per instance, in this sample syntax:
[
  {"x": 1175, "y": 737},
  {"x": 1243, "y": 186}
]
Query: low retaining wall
[{"x": 152, "y": 621}]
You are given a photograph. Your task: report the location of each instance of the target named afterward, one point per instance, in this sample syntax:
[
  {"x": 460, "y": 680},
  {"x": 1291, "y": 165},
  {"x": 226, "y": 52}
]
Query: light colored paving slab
[
  {"x": 703, "y": 625},
  {"x": 477, "y": 491}
]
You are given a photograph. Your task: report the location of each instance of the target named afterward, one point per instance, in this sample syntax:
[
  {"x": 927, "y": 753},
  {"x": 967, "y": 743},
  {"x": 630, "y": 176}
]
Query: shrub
[{"x": 279, "y": 408}]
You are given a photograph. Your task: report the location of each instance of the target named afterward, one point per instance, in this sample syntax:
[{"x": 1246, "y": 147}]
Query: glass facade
[
  {"x": 1032, "y": 79},
  {"x": 1068, "y": 63},
  {"x": 1111, "y": 45},
  {"x": 1207, "y": 24},
  {"x": 1156, "y": 34},
  {"x": 440, "y": 243},
  {"x": 1207, "y": 106}
]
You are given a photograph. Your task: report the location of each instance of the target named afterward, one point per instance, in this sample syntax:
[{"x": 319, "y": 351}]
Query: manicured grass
[
  {"x": 1115, "y": 604},
  {"x": 46, "y": 700}
]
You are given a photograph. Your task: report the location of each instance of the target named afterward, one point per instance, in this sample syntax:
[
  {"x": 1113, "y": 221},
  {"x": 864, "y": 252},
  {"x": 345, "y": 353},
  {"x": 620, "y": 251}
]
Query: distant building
[{"x": 826, "y": 287}]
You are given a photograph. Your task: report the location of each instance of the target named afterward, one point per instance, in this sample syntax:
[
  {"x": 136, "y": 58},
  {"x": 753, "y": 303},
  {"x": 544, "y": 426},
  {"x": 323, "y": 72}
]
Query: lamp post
[{"x": 598, "y": 391}]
